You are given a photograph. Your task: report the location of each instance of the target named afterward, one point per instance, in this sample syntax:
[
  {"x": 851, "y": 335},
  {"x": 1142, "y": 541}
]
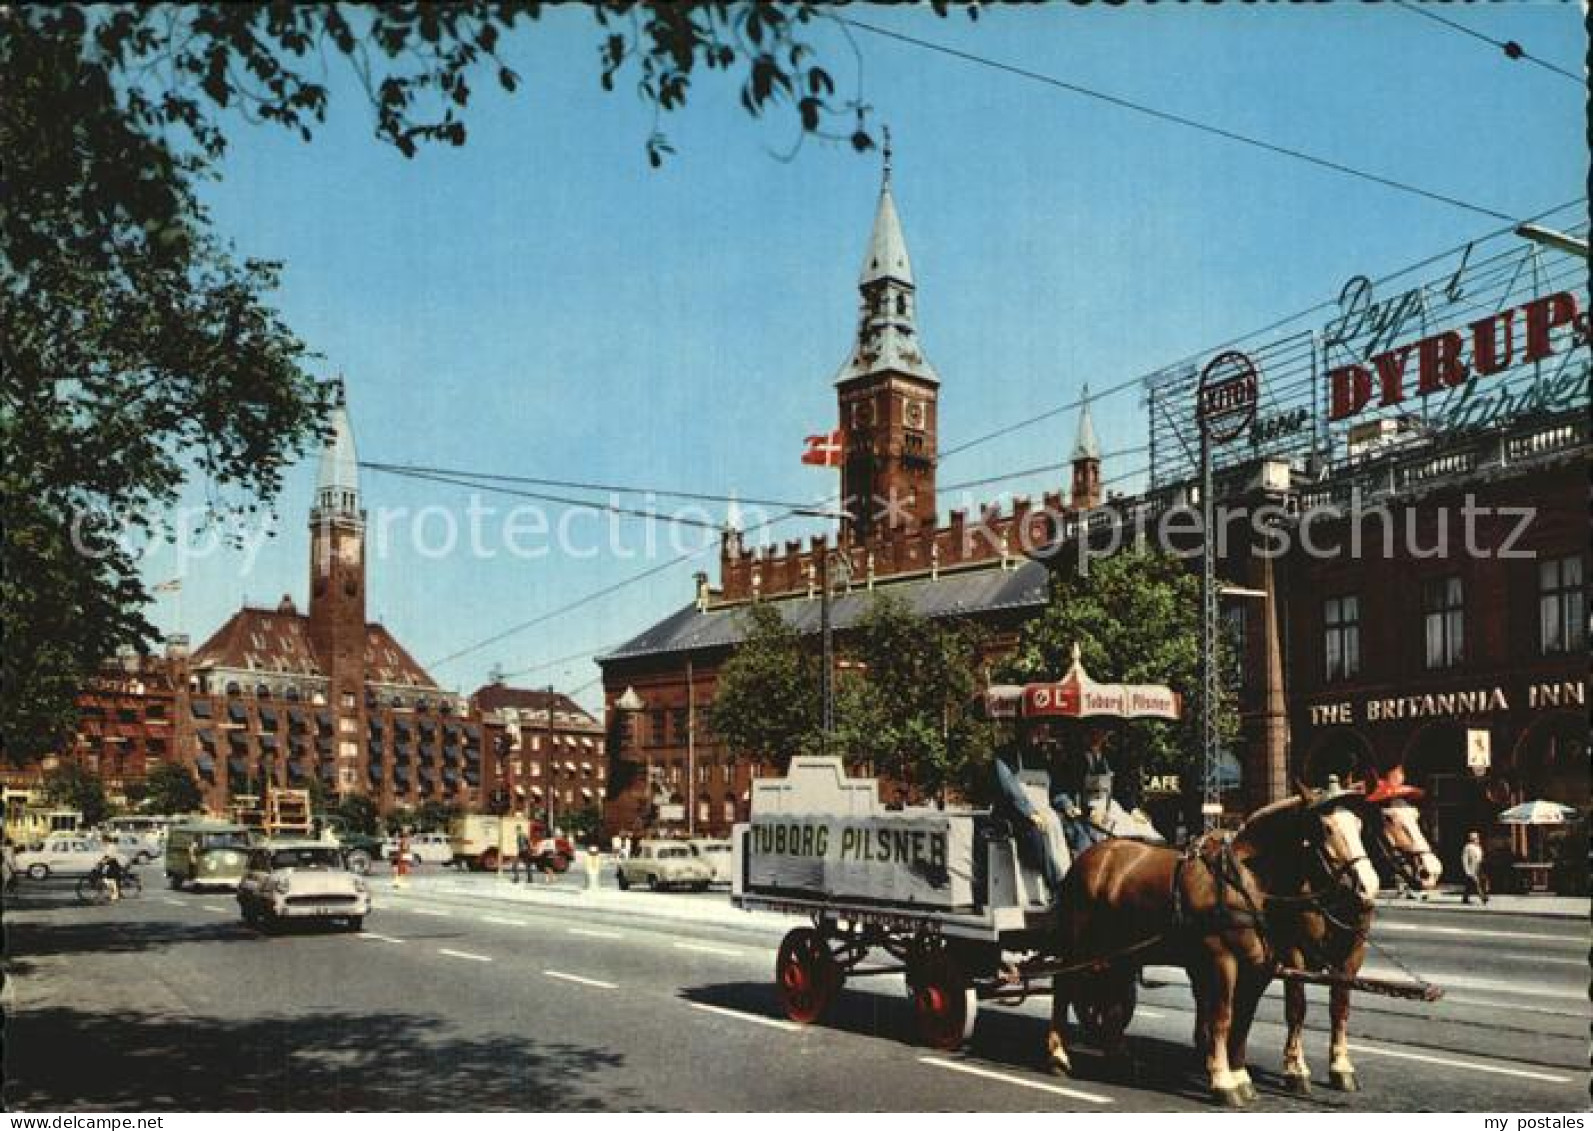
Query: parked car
[
  {"x": 663, "y": 864},
  {"x": 136, "y": 847},
  {"x": 206, "y": 854},
  {"x": 301, "y": 879},
  {"x": 64, "y": 856},
  {"x": 359, "y": 849},
  {"x": 719, "y": 855},
  {"x": 424, "y": 848}
]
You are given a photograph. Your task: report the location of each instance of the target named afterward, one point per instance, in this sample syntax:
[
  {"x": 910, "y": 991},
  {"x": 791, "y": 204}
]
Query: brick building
[
  {"x": 668, "y": 771},
  {"x": 286, "y": 697},
  {"x": 553, "y": 757},
  {"x": 1350, "y": 663}
]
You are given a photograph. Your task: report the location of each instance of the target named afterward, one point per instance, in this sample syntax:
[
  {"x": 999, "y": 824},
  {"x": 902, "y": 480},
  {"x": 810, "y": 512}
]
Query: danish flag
[{"x": 824, "y": 451}]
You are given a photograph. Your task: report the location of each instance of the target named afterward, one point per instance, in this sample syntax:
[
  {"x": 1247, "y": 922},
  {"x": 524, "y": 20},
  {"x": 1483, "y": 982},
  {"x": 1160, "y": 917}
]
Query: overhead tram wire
[
  {"x": 1010, "y": 428},
  {"x": 576, "y": 485},
  {"x": 1175, "y": 119},
  {"x": 1512, "y": 50}
]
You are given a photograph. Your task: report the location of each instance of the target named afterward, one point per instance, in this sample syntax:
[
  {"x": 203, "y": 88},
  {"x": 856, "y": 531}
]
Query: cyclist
[{"x": 109, "y": 872}]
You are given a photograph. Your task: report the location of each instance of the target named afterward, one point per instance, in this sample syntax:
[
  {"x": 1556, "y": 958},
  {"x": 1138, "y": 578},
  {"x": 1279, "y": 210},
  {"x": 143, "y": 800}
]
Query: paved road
[{"x": 453, "y": 1001}]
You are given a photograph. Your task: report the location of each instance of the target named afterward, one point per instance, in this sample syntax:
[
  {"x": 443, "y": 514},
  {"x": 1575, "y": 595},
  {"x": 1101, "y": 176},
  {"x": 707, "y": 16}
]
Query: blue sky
[{"x": 541, "y": 302}]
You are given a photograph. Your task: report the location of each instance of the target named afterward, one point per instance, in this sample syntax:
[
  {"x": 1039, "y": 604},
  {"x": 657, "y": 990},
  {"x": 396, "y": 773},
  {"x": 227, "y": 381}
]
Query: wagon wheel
[
  {"x": 943, "y": 998},
  {"x": 1104, "y": 1015},
  {"x": 806, "y": 975}
]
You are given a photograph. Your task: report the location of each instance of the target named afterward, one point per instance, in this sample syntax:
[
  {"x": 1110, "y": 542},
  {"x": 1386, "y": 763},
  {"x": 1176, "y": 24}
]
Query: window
[
  {"x": 660, "y": 718},
  {"x": 1341, "y": 636},
  {"x": 1444, "y": 609},
  {"x": 347, "y": 725},
  {"x": 730, "y": 810},
  {"x": 729, "y": 772},
  {"x": 1235, "y": 625},
  {"x": 682, "y": 726},
  {"x": 1562, "y": 606},
  {"x": 704, "y": 812}
]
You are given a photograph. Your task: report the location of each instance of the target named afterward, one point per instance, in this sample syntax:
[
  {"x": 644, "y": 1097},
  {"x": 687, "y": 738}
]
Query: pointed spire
[
  {"x": 337, "y": 478},
  {"x": 887, "y": 338},
  {"x": 887, "y": 249},
  {"x": 1087, "y": 447}
]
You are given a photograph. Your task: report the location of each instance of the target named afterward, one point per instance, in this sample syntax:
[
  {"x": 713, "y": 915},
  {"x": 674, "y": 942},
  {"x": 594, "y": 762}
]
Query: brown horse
[
  {"x": 1319, "y": 943},
  {"x": 1126, "y": 903}
]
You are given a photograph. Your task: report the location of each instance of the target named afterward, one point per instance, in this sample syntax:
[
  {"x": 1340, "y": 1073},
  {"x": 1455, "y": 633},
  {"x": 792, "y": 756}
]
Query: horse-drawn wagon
[
  {"x": 976, "y": 905},
  {"x": 957, "y": 898}
]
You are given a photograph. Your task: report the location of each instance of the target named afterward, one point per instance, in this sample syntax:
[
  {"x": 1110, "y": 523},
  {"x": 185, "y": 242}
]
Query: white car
[
  {"x": 719, "y": 854},
  {"x": 664, "y": 864},
  {"x": 64, "y": 856},
  {"x": 301, "y": 880},
  {"x": 139, "y": 849},
  {"x": 424, "y": 848}
]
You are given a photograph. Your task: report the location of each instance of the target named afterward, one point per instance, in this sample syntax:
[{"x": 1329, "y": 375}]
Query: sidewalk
[
  {"x": 1544, "y": 906},
  {"x": 665, "y": 906}
]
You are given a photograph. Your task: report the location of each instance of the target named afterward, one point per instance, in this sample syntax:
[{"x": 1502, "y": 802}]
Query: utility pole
[
  {"x": 827, "y": 649},
  {"x": 691, "y": 751},
  {"x": 553, "y": 767}
]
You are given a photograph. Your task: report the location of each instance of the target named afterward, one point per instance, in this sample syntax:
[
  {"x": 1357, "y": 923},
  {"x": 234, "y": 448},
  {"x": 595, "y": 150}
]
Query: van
[{"x": 207, "y": 854}]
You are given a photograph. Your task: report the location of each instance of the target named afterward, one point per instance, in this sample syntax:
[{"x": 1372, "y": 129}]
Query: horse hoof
[
  {"x": 1228, "y": 1097},
  {"x": 1060, "y": 1068},
  {"x": 1343, "y": 1081},
  {"x": 1298, "y": 1085},
  {"x": 1247, "y": 1092}
]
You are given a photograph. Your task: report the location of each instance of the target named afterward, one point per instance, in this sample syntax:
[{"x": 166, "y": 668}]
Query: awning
[
  {"x": 206, "y": 738},
  {"x": 1077, "y": 696},
  {"x": 374, "y": 771},
  {"x": 201, "y": 708},
  {"x": 268, "y": 742},
  {"x": 237, "y": 767},
  {"x": 296, "y": 716},
  {"x": 450, "y": 776},
  {"x": 207, "y": 765},
  {"x": 297, "y": 772},
  {"x": 236, "y": 712}
]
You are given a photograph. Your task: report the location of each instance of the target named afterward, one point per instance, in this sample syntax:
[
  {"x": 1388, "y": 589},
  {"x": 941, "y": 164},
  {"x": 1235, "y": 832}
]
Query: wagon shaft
[{"x": 1382, "y": 987}]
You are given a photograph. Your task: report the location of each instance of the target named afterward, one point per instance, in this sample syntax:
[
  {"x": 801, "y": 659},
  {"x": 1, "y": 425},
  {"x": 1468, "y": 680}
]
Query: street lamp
[{"x": 1547, "y": 237}]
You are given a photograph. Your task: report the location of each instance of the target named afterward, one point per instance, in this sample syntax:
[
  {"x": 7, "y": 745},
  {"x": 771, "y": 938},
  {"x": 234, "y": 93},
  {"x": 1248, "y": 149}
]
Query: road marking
[
  {"x": 1153, "y": 1014},
  {"x": 1535, "y": 959},
  {"x": 374, "y": 937},
  {"x": 1474, "y": 933},
  {"x": 595, "y": 934},
  {"x": 728, "y": 952},
  {"x": 1579, "y": 1007},
  {"x": 580, "y": 981},
  {"x": 772, "y": 1022},
  {"x": 1056, "y": 1090},
  {"x": 429, "y": 911},
  {"x": 504, "y": 922},
  {"x": 1472, "y": 1065},
  {"x": 174, "y": 902},
  {"x": 464, "y": 954},
  {"x": 1460, "y": 981},
  {"x": 217, "y": 910}
]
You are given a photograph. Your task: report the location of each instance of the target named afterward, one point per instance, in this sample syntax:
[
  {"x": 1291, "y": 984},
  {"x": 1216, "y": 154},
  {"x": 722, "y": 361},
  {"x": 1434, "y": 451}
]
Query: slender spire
[
  {"x": 337, "y": 478},
  {"x": 1086, "y": 447},
  {"x": 887, "y": 337}
]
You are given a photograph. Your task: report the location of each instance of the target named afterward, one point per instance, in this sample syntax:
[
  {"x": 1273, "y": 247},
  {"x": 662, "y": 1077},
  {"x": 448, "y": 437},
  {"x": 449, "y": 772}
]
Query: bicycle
[{"x": 93, "y": 889}]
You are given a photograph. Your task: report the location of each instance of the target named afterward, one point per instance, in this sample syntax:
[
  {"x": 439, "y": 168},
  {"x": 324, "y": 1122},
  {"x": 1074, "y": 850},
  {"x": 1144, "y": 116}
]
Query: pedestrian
[
  {"x": 9, "y": 865},
  {"x": 1471, "y": 866},
  {"x": 522, "y": 855},
  {"x": 111, "y": 870}
]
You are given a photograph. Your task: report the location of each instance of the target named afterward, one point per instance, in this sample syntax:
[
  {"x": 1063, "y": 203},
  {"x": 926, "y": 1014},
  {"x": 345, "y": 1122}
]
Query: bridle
[
  {"x": 1341, "y": 896},
  {"x": 1405, "y": 862}
]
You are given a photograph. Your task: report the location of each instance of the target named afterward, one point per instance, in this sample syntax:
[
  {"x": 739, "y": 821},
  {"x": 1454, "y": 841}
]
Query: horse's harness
[{"x": 1214, "y": 851}]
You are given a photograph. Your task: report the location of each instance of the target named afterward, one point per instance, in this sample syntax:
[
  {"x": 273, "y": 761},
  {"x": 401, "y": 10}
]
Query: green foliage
[
  {"x": 73, "y": 787},
  {"x": 767, "y": 705},
  {"x": 138, "y": 350},
  {"x": 434, "y": 815},
  {"x": 581, "y": 825},
  {"x": 358, "y": 813},
  {"x": 902, "y": 692},
  {"x": 906, "y": 709},
  {"x": 170, "y": 788},
  {"x": 1135, "y": 618},
  {"x": 399, "y": 819}
]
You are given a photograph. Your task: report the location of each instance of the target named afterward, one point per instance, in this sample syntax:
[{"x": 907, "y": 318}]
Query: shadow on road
[
  {"x": 104, "y": 935},
  {"x": 62, "y": 1058},
  {"x": 1007, "y": 1040}
]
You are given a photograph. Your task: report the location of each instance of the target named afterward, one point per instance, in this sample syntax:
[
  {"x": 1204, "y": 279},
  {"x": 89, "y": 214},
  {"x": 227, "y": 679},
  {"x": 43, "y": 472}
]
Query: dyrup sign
[
  {"x": 1226, "y": 400},
  {"x": 1529, "y": 334},
  {"x": 1498, "y": 331}
]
